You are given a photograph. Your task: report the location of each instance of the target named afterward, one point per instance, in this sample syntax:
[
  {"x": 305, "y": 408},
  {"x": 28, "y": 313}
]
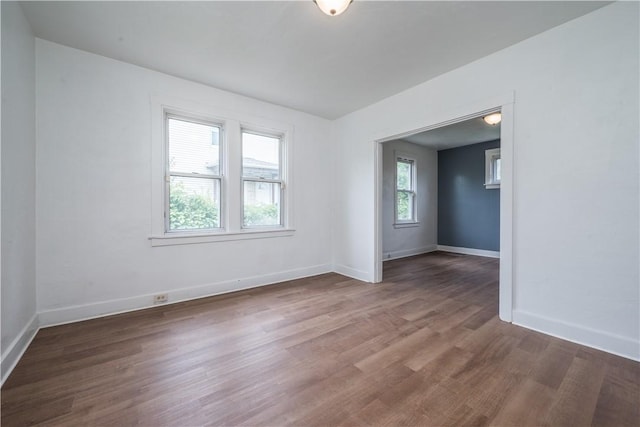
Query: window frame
[
  {"x": 405, "y": 158},
  {"x": 281, "y": 173},
  {"x": 230, "y": 121},
  {"x": 491, "y": 182},
  {"x": 170, "y": 114}
]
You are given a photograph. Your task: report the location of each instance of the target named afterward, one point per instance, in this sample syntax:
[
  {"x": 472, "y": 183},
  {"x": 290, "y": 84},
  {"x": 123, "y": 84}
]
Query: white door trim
[{"x": 504, "y": 104}]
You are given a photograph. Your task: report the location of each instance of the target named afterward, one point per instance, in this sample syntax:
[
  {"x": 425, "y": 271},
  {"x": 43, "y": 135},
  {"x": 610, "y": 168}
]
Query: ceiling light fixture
[
  {"x": 493, "y": 119},
  {"x": 333, "y": 7}
]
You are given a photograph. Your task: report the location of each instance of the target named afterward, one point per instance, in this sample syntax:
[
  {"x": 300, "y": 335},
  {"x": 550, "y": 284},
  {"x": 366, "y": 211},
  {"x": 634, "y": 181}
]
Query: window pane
[
  {"x": 193, "y": 147},
  {"x": 194, "y": 203},
  {"x": 405, "y": 206},
  {"x": 260, "y": 156},
  {"x": 261, "y": 203},
  {"x": 403, "y": 175},
  {"x": 497, "y": 170}
]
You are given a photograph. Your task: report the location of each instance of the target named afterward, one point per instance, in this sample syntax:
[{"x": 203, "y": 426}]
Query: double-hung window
[
  {"x": 218, "y": 177},
  {"x": 405, "y": 205},
  {"x": 262, "y": 180},
  {"x": 193, "y": 175}
]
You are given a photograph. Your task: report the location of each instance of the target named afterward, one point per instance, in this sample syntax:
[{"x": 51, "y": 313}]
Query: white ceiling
[
  {"x": 468, "y": 132},
  {"x": 291, "y": 54}
]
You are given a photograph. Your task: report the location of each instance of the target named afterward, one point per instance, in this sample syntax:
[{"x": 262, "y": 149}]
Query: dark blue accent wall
[{"x": 468, "y": 214}]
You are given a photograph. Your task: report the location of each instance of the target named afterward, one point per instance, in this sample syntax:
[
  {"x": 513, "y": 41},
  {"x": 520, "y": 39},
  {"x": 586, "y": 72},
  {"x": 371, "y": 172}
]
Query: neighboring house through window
[{"x": 261, "y": 180}]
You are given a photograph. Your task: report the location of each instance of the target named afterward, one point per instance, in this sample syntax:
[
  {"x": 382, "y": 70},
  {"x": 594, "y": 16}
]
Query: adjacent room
[
  {"x": 441, "y": 190},
  {"x": 304, "y": 213}
]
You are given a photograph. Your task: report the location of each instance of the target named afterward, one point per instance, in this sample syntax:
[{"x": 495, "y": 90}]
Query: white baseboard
[
  {"x": 13, "y": 353},
  {"x": 611, "y": 343},
  {"x": 469, "y": 251},
  {"x": 622, "y": 346},
  {"x": 352, "y": 272},
  {"x": 107, "y": 308},
  {"x": 389, "y": 256}
]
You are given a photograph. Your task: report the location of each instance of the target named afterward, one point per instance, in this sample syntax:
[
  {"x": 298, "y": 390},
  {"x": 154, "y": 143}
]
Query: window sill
[
  {"x": 406, "y": 224},
  {"x": 491, "y": 186},
  {"x": 188, "y": 238}
]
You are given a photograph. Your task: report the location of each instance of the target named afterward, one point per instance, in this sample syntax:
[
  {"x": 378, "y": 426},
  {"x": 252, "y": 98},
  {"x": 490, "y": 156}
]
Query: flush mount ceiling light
[
  {"x": 333, "y": 7},
  {"x": 493, "y": 119}
]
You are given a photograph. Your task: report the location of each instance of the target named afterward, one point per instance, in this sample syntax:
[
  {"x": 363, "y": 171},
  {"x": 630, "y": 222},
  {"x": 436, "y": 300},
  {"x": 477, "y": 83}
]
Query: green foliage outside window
[
  {"x": 404, "y": 211},
  {"x": 404, "y": 176},
  {"x": 190, "y": 211},
  {"x": 261, "y": 214}
]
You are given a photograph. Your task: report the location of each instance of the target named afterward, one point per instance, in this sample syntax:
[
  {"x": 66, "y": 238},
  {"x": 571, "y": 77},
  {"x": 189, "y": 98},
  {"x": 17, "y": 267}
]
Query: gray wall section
[{"x": 468, "y": 214}]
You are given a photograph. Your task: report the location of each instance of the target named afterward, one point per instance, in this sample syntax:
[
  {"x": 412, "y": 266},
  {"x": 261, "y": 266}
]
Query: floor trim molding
[
  {"x": 469, "y": 251},
  {"x": 352, "y": 272},
  {"x": 13, "y": 353},
  {"x": 389, "y": 256},
  {"x": 601, "y": 340},
  {"x": 107, "y": 308}
]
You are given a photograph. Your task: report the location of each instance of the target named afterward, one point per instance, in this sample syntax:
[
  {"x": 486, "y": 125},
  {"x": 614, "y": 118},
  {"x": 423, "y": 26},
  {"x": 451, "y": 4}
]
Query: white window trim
[
  {"x": 231, "y": 166},
  {"x": 490, "y": 181},
  {"x": 414, "y": 179},
  {"x": 184, "y": 239}
]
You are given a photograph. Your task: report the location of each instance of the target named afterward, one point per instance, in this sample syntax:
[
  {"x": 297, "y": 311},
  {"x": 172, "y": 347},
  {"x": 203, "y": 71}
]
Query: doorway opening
[{"x": 394, "y": 154}]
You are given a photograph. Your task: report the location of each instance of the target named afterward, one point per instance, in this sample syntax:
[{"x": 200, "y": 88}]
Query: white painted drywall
[
  {"x": 94, "y": 187},
  {"x": 400, "y": 242},
  {"x": 18, "y": 184},
  {"x": 576, "y": 182}
]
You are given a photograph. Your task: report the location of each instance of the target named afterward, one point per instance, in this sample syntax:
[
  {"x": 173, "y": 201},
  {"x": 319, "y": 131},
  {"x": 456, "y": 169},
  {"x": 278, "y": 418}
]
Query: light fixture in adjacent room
[
  {"x": 493, "y": 118},
  {"x": 333, "y": 7}
]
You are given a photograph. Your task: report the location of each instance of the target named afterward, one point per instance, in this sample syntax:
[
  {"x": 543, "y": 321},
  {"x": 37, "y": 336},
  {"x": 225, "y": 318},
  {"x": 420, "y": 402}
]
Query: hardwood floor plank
[
  {"x": 553, "y": 364},
  {"x": 577, "y": 395},
  {"x": 465, "y": 416},
  {"x": 527, "y": 406},
  {"x": 433, "y": 348},
  {"x": 396, "y": 351},
  {"x": 619, "y": 399}
]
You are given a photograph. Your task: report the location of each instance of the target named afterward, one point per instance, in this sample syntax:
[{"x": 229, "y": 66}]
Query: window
[
  {"x": 262, "y": 183},
  {"x": 217, "y": 177},
  {"x": 194, "y": 176},
  {"x": 405, "y": 190},
  {"x": 492, "y": 168}
]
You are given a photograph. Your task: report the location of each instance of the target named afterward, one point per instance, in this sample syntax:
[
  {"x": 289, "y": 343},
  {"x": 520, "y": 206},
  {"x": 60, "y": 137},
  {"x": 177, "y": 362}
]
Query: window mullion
[
  {"x": 234, "y": 172},
  {"x": 270, "y": 181}
]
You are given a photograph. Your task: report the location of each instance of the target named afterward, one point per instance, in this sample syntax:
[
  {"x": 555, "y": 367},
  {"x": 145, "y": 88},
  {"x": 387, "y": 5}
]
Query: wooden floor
[{"x": 423, "y": 348}]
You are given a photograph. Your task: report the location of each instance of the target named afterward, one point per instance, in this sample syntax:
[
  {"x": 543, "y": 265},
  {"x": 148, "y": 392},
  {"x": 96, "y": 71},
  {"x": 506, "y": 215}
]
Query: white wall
[
  {"x": 576, "y": 182},
  {"x": 94, "y": 189},
  {"x": 18, "y": 185},
  {"x": 402, "y": 242}
]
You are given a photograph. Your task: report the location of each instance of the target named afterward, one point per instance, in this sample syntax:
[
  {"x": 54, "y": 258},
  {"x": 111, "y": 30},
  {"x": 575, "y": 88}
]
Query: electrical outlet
[{"x": 160, "y": 298}]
